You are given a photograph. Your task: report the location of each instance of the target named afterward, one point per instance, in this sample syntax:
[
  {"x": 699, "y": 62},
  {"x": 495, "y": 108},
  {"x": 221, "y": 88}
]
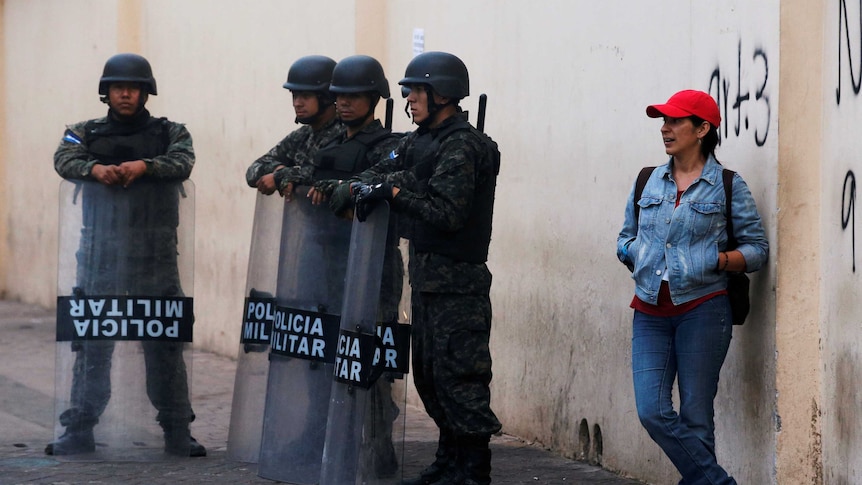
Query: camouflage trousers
[
  {"x": 452, "y": 361},
  {"x": 166, "y": 381}
]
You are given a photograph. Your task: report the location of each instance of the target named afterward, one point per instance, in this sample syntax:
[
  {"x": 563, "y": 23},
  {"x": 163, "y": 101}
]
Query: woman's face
[{"x": 681, "y": 136}]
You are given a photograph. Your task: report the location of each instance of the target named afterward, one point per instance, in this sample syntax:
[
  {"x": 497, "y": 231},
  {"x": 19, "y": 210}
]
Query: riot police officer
[
  {"x": 289, "y": 162},
  {"x": 358, "y": 83},
  {"x": 440, "y": 180},
  {"x": 141, "y": 160}
]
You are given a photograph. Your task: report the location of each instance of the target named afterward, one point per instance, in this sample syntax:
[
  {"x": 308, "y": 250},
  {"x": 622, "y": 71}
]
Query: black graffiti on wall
[
  {"x": 844, "y": 33},
  {"x": 848, "y": 210},
  {"x": 748, "y": 111}
]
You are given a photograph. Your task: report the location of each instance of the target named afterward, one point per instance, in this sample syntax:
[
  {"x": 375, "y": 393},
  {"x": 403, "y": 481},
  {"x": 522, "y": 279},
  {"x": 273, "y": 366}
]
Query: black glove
[
  {"x": 366, "y": 197},
  {"x": 326, "y": 187},
  {"x": 290, "y": 175},
  {"x": 341, "y": 199}
]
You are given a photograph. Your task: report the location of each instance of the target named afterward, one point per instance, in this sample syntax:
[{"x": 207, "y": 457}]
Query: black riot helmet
[
  {"x": 444, "y": 72},
  {"x": 313, "y": 74},
  {"x": 359, "y": 74},
  {"x": 310, "y": 73},
  {"x": 127, "y": 68}
]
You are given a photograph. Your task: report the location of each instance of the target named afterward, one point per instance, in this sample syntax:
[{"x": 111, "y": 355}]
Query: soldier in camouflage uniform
[
  {"x": 289, "y": 163},
  {"x": 358, "y": 82},
  {"x": 440, "y": 180},
  {"x": 127, "y": 148}
]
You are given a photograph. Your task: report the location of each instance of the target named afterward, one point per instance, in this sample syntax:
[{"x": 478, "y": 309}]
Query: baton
[
  {"x": 480, "y": 121},
  {"x": 388, "y": 121}
]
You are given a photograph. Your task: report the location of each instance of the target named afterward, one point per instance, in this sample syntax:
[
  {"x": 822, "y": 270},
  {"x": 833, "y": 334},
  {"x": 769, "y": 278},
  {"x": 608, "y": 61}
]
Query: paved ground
[{"x": 26, "y": 410}]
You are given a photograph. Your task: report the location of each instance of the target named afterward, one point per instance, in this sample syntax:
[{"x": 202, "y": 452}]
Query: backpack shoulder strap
[
  {"x": 727, "y": 178},
  {"x": 643, "y": 176}
]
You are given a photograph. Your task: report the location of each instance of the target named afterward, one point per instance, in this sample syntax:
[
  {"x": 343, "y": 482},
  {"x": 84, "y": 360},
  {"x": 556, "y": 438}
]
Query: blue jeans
[{"x": 691, "y": 349}]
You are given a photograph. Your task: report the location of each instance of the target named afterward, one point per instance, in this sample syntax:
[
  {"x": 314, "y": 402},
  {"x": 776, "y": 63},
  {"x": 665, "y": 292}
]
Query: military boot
[
  {"x": 74, "y": 441},
  {"x": 476, "y": 466},
  {"x": 445, "y": 458},
  {"x": 78, "y": 437},
  {"x": 383, "y": 458},
  {"x": 474, "y": 463},
  {"x": 180, "y": 442}
]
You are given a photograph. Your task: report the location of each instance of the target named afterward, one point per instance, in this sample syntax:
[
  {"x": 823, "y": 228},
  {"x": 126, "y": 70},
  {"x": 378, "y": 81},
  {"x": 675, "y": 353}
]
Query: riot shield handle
[{"x": 480, "y": 121}]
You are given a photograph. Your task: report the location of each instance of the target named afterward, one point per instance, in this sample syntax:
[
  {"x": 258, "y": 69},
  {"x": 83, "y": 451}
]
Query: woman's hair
[{"x": 710, "y": 141}]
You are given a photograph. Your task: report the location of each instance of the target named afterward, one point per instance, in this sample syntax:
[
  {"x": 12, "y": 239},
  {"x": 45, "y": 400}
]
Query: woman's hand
[{"x": 730, "y": 261}]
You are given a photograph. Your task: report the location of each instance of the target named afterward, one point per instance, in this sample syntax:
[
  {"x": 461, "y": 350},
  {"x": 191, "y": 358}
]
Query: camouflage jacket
[
  {"x": 295, "y": 152},
  {"x": 73, "y": 160},
  {"x": 444, "y": 201}
]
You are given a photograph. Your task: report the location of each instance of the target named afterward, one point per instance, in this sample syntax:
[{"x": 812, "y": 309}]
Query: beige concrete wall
[
  {"x": 54, "y": 53},
  {"x": 4, "y": 202},
  {"x": 840, "y": 265},
  {"x": 799, "y": 264},
  {"x": 567, "y": 83}
]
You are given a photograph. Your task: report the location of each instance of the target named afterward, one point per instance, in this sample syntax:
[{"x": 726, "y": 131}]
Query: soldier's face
[
  {"x": 124, "y": 98},
  {"x": 418, "y": 100},
  {"x": 305, "y": 104},
  {"x": 352, "y": 106}
]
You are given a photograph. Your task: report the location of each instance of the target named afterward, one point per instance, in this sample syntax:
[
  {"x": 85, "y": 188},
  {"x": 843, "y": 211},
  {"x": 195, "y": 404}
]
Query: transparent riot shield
[
  {"x": 124, "y": 321},
  {"x": 249, "y": 390},
  {"x": 309, "y": 291},
  {"x": 359, "y": 445}
]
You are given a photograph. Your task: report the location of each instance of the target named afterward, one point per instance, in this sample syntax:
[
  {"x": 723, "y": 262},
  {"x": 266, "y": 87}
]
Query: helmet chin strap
[
  {"x": 433, "y": 108},
  {"x": 310, "y": 120},
  {"x": 360, "y": 121}
]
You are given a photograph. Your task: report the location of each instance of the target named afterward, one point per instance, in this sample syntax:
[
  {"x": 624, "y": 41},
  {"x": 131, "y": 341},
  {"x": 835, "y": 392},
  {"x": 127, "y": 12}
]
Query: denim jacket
[{"x": 686, "y": 240}]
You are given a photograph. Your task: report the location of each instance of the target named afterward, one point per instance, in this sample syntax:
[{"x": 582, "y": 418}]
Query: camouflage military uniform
[
  {"x": 382, "y": 410},
  {"x": 450, "y": 287},
  {"x": 342, "y": 159},
  {"x": 128, "y": 247},
  {"x": 295, "y": 152},
  {"x": 73, "y": 160}
]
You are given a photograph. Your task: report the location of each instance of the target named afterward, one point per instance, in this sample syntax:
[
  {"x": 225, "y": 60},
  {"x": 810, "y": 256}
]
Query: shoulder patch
[{"x": 70, "y": 137}]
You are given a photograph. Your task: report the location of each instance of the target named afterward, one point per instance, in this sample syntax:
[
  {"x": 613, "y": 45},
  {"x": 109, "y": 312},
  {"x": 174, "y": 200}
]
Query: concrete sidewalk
[{"x": 26, "y": 419}]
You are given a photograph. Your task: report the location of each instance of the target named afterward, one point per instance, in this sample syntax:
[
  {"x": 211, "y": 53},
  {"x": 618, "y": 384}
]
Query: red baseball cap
[{"x": 687, "y": 103}]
